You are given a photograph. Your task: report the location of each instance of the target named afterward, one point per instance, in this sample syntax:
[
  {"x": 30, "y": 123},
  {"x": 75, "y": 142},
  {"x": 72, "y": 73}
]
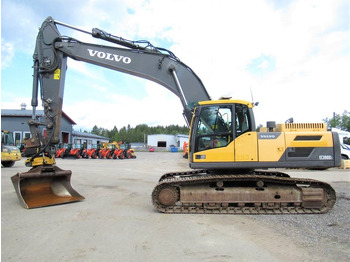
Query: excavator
[{"x": 228, "y": 157}]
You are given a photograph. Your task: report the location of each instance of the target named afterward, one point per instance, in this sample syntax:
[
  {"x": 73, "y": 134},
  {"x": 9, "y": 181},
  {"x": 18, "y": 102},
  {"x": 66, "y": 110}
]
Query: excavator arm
[{"x": 148, "y": 62}]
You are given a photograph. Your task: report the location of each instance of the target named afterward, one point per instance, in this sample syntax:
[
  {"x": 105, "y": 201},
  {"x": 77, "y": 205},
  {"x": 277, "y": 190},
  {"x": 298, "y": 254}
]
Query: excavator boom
[{"x": 50, "y": 65}]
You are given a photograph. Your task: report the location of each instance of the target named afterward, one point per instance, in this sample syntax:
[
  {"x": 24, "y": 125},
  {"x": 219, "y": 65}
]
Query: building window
[
  {"x": 26, "y": 135},
  {"x": 18, "y": 137}
]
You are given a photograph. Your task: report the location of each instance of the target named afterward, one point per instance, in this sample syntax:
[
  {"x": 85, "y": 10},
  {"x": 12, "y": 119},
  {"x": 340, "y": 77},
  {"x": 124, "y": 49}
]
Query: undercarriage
[{"x": 248, "y": 192}]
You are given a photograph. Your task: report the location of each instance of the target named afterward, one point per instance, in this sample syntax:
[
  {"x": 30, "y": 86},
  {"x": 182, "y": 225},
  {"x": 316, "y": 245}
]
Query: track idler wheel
[{"x": 168, "y": 196}]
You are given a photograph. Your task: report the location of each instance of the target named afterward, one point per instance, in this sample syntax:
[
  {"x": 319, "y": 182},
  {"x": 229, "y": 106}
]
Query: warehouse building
[
  {"x": 15, "y": 120},
  {"x": 88, "y": 140},
  {"x": 167, "y": 141}
]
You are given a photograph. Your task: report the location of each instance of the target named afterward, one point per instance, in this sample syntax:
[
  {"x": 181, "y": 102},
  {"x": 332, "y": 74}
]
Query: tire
[{"x": 7, "y": 163}]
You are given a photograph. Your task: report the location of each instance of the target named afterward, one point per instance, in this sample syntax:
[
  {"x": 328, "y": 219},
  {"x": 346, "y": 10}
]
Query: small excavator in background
[{"x": 225, "y": 151}]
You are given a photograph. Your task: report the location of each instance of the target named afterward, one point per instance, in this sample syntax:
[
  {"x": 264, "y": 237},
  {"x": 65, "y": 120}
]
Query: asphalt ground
[{"x": 117, "y": 221}]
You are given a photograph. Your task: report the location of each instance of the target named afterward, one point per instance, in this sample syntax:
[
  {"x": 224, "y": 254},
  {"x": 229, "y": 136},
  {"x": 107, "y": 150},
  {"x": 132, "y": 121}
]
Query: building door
[
  {"x": 65, "y": 137},
  {"x": 161, "y": 144}
]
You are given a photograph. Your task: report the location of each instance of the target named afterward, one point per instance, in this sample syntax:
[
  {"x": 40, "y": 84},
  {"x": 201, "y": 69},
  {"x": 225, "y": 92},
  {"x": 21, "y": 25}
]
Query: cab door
[
  {"x": 213, "y": 134},
  {"x": 246, "y": 142},
  {"x": 246, "y": 146}
]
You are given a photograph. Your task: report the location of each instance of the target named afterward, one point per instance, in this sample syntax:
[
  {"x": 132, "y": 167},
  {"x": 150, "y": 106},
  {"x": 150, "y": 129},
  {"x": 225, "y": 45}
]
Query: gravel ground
[{"x": 328, "y": 234}]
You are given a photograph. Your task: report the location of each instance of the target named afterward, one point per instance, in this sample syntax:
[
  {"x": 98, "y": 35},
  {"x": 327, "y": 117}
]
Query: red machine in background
[
  {"x": 60, "y": 152},
  {"x": 73, "y": 151},
  {"x": 127, "y": 150},
  {"x": 90, "y": 153}
]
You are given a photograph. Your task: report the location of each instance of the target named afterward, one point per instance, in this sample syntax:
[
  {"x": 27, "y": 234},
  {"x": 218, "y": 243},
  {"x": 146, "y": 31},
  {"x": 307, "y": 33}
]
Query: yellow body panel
[
  {"x": 40, "y": 161},
  {"x": 246, "y": 147},
  {"x": 10, "y": 156},
  {"x": 325, "y": 141},
  {"x": 221, "y": 154},
  {"x": 264, "y": 147},
  {"x": 302, "y": 127},
  {"x": 271, "y": 149}
]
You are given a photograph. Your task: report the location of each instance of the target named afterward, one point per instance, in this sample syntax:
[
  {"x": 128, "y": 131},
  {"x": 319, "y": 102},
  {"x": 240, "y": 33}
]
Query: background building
[
  {"x": 15, "y": 120},
  {"x": 87, "y": 139},
  {"x": 167, "y": 141}
]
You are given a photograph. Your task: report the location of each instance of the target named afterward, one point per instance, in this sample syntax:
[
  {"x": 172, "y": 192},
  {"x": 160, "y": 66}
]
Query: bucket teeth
[{"x": 44, "y": 186}]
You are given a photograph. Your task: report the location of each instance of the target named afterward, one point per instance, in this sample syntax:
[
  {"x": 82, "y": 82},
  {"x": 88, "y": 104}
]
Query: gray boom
[{"x": 50, "y": 64}]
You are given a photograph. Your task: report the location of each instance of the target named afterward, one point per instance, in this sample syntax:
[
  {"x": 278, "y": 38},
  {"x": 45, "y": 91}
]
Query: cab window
[
  {"x": 214, "y": 127},
  {"x": 242, "y": 119}
]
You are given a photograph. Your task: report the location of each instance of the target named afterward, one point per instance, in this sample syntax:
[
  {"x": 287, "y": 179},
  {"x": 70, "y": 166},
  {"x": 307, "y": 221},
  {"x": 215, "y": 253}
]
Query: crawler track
[{"x": 255, "y": 192}]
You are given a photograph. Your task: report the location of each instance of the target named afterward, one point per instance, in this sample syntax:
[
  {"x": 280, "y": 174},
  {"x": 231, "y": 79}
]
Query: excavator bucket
[{"x": 44, "y": 186}]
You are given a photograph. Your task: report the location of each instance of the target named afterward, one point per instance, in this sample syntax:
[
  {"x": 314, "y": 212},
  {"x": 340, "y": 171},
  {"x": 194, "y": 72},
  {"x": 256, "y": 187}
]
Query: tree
[
  {"x": 95, "y": 130},
  {"x": 339, "y": 121},
  {"x": 112, "y": 133},
  {"x": 138, "y": 133}
]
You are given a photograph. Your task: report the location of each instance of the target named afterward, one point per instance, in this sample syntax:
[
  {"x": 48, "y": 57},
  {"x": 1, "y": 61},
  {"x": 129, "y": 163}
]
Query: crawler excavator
[{"x": 225, "y": 150}]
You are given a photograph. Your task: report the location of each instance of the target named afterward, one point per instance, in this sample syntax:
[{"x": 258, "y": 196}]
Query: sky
[{"x": 290, "y": 56}]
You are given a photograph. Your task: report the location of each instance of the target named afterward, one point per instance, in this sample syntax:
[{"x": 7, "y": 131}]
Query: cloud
[
  {"x": 7, "y": 54},
  {"x": 16, "y": 101},
  {"x": 261, "y": 65},
  {"x": 288, "y": 54},
  {"x": 158, "y": 108}
]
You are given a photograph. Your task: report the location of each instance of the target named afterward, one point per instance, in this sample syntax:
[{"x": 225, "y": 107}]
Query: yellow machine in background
[{"x": 9, "y": 152}]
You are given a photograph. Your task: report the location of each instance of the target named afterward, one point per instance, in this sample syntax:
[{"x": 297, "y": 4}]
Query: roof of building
[
  {"x": 177, "y": 135},
  {"x": 28, "y": 113},
  {"x": 89, "y": 135}
]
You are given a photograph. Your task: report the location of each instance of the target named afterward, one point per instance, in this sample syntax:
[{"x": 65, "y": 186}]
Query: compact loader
[{"x": 9, "y": 152}]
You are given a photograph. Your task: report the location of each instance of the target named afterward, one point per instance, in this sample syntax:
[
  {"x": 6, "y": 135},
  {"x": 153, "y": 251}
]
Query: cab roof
[{"x": 226, "y": 101}]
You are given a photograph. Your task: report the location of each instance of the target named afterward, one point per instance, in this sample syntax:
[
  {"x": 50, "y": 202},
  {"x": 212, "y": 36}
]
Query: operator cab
[
  {"x": 217, "y": 123},
  {"x": 7, "y": 138}
]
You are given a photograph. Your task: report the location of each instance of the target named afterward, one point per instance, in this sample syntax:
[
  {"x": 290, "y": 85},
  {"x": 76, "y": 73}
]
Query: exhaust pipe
[{"x": 45, "y": 186}]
